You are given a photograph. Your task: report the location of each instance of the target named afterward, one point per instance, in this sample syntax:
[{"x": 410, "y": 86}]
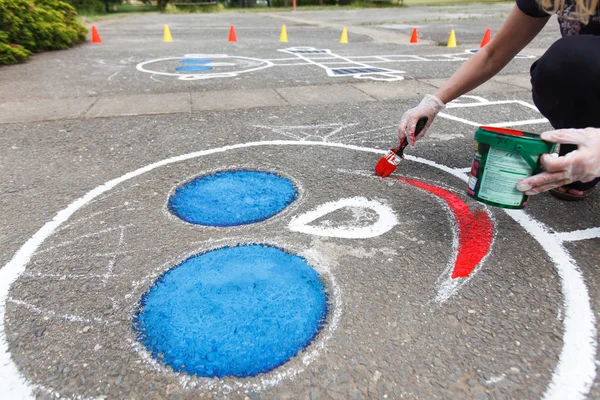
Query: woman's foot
[{"x": 570, "y": 194}]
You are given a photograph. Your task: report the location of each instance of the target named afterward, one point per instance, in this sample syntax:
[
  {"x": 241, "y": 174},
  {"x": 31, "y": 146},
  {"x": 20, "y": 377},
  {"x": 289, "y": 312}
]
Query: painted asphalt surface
[{"x": 518, "y": 328}]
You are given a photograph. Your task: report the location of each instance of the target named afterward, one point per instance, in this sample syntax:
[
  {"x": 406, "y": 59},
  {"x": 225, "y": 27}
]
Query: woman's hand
[
  {"x": 429, "y": 107},
  {"x": 581, "y": 165}
]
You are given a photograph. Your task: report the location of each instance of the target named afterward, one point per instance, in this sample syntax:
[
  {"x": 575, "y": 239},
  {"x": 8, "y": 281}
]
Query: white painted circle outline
[
  {"x": 572, "y": 377},
  {"x": 267, "y": 64}
]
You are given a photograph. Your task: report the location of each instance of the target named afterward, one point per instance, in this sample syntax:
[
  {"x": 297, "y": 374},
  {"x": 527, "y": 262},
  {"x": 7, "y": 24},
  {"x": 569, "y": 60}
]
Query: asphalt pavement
[{"x": 95, "y": 141}]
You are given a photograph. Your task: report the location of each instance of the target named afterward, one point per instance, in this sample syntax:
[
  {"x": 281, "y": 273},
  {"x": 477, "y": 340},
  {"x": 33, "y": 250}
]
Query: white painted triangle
[{"x": 385, "y": 222}]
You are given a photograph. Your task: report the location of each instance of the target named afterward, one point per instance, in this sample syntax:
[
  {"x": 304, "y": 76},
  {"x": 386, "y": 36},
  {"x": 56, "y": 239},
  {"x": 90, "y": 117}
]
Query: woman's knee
[{"x": 568, "y": 60}]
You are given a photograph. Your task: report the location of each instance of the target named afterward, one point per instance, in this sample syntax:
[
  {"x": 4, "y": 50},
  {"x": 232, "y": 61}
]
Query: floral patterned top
[{"x": 568, "y": 26}]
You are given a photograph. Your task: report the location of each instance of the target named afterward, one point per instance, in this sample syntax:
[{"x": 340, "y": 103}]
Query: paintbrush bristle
[{"x": 387, "y": 164}]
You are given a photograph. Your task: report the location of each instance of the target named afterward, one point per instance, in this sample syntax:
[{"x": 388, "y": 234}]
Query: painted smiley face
[{"x": 91, "y": 272}]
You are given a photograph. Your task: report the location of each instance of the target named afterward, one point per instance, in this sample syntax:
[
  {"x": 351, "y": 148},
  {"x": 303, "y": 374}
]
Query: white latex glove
[
  {"x": 581, "y": 165},
  {"x": 429, "y": 107}
]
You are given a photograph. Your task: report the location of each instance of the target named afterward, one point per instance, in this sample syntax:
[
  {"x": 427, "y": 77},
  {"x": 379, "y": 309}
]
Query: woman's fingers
[
  {"x": 568, "y": 136},
  {"x": 543, "y": 181}
]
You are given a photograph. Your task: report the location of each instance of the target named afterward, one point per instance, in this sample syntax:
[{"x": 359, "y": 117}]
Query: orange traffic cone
[
  {"x": 232, "y": 37},
  {"x": 95, "y": 35},
  {"x": 486, "y": 37},
  {"x": 413, "y": 37}
]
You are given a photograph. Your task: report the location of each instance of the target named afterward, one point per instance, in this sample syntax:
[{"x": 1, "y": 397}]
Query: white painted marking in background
[
  {"x": 386, "y": 221},
  {"x": 482, "y": 103},
  {"x": 385, "y": 74},
  {"x": 326, "y": 60},
  {"x": 458, "y": 119},
  {"x": 262, "y": 64},
  {"x": 52, "y": 314},
  {"x": 571, "y": 379}
]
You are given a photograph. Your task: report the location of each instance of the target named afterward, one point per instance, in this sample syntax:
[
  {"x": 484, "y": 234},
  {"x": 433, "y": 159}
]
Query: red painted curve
[{"x": 475, "y": 231}]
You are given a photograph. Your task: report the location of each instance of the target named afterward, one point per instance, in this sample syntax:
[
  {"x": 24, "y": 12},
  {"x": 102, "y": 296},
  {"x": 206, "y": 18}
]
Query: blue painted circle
[
  {"x": 232, "y": 198},
  {"x": 234, "y": 311},
  {"x": 193, "y": 68}
]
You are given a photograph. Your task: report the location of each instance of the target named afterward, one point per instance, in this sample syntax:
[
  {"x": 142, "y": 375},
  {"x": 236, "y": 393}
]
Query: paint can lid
[{"x": 513, "y": 140}]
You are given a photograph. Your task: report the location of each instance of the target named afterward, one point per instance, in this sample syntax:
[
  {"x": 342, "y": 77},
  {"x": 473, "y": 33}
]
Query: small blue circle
[
  {"x": 232, "y": 198},
  {"x": 234, "y": 311},
  {"x": 193, "y": 68}
]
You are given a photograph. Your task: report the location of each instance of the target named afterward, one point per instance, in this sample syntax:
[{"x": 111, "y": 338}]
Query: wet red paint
[
  {"x": 475, "y": 230},
  {"x": 503, "y": 130}
]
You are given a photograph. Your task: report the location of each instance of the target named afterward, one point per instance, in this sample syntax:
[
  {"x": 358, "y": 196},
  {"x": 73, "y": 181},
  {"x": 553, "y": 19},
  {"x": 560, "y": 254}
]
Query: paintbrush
[{"x": 388, "y": 163}]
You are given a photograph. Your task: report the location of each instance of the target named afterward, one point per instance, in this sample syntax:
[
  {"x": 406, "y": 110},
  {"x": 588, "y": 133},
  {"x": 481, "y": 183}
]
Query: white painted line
[
  {"x": 483, "y": 102},
  {"x": 52, "y": 314},
  {"x": 458, "y": 119},
  {"x": 576, "y": 370},
  {"x": 486, "y": 103},
  {"x": 463, "y": 170},
  {"x": 384, "y": 75},
  {"x": 191, "y": 76},
  {"x": 296, "y": 64},
  {"x": 583, "y": 234},
  {"x": 479, "y": 99}
]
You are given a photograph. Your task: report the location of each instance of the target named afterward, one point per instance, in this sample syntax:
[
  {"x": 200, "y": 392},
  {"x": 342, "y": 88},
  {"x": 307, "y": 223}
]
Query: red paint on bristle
[
  {"x": 384, "y": 167},
  {"x": 388, "y": 163},
  {"x": 475, "y": 231}
]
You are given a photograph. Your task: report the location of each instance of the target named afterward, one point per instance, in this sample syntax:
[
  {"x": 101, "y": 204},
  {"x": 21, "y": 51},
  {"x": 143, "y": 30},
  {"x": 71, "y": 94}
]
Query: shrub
[
  {"x": 32, "y": 26},
  {"x": 13, "y": 53}
]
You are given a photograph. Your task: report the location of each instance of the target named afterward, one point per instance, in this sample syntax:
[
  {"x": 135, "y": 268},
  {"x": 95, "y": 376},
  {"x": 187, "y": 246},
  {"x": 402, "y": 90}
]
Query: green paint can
[{"x": 504, "y": 157}]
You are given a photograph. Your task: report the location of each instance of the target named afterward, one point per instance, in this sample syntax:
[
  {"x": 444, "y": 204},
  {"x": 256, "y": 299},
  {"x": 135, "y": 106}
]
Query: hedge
[{"x": 32, "y": 26}]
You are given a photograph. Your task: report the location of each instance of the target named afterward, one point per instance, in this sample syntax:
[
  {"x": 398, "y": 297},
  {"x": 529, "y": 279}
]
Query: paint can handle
[{"x": 530, "y": 161}]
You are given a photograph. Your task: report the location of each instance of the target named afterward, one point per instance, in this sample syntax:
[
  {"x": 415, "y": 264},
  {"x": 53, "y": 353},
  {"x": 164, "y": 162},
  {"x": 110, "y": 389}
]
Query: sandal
[{"x": 570, "y": 196}]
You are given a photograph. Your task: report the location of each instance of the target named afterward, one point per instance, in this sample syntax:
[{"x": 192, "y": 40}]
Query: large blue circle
[
  {"x": 232, "y": 198},
  {"x": 234, "y": 311}
]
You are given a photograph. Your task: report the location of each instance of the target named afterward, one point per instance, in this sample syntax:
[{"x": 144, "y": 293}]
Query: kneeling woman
[{"x": 566, "y": 90}]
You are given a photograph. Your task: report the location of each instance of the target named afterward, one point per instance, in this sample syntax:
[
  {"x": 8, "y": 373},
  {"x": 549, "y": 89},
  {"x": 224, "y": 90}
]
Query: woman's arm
[{"x": 517, "y": 32}]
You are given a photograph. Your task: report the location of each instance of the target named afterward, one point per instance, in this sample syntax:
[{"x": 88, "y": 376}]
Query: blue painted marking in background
[
  {"x": 348, "y": 71},
  {"x": 193, "y": 68},
  {"x": 233, "y": 311},
  {"x": 194, "y": 65},
  {"x": 232, "y": 198},
  {"x": 308, "y": 51}
]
